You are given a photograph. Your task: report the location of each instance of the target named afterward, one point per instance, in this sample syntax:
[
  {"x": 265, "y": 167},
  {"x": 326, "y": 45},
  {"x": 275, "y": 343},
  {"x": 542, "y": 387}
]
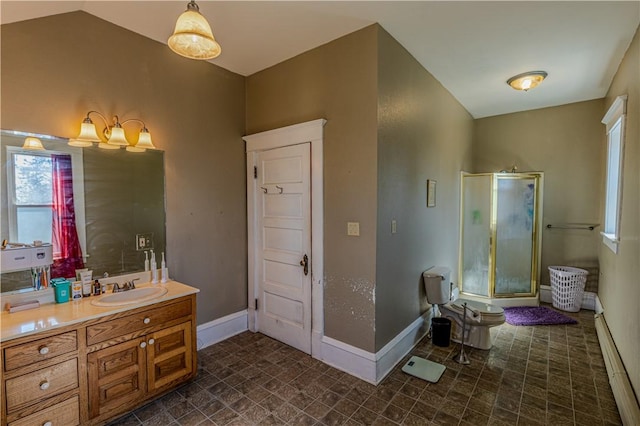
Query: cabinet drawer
[
  {"x": 32, "y": 387},
  {"x": 111, "y": 329},
  {"x": 39, "y": 350},
  {"x": 66, "y": 413}
]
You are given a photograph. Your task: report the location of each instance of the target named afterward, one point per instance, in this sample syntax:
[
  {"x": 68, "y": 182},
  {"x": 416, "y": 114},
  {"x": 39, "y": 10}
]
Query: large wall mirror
[{"x": 117, "y": 195}]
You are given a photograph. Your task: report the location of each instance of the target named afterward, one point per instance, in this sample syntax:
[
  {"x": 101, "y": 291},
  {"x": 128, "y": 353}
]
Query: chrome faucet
[{"x": 129, "y": 285}]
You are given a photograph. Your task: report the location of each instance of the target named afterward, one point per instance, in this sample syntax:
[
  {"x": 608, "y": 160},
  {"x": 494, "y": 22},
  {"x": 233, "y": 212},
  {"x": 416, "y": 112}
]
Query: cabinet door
[
  {"x": 169, "y": 355},
  {"x": 117, "y": 376}
]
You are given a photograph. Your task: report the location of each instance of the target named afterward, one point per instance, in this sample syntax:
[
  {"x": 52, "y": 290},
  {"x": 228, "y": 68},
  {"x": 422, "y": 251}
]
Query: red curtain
[{"x": 66, "y": 246}]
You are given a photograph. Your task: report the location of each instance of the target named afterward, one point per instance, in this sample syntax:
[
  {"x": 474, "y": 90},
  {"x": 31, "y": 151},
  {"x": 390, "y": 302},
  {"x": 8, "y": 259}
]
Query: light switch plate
[
  {"x": 353, "y": 229},
  {"x": 394, "y": 226}
]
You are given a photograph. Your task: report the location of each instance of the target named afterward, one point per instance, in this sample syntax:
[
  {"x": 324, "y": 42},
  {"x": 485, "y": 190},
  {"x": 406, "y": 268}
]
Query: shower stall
[{"x": 500, "y": 237}]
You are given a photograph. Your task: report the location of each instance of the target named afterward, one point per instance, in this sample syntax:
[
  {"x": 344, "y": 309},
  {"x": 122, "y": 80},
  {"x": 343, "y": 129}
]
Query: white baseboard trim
[
  {"x": 618, "y": 378},
  {"x": 599, "y": 307},
  {"x": 222, "y": 328},
  {"x": 396, "y": 349},
  {"x": 368, "y": 366},
  {"x": 352, "y": 360}
]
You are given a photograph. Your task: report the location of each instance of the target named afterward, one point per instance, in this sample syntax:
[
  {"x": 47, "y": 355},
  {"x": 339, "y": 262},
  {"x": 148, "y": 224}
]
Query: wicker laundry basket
[{"x": 567, "y": 287}]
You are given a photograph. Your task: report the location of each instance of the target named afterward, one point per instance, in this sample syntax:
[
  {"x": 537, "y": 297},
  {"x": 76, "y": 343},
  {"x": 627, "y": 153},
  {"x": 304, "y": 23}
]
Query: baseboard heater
[{"x": 618, "y": 378}]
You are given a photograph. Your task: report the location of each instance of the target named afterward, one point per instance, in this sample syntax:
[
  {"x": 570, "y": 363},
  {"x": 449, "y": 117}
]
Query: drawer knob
[
  {"x": 44, "y": 385},
  {"x": 47, "y": 424},
  {"x": 143, "y": 345},
  {"x": 43, "y": 350},
  {"x": 146, "y": 320},
  {"x": 152, "y": 341}
]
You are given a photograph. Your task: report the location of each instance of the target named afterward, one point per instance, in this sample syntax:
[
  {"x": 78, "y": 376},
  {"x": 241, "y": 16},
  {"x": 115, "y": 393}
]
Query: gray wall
[
  {"x": 337, "y": 82},
  {"x": 391, "y": 126},
  {"x": 57, "y": 68},
  {"x": 423, "y": 133},
  {"x": 565, "y": 143},
  {"x": 619, "y": 281}
]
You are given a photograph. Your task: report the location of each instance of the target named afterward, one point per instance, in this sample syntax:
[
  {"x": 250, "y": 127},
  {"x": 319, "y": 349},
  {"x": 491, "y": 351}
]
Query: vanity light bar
[{"x": 113, "y": 135}]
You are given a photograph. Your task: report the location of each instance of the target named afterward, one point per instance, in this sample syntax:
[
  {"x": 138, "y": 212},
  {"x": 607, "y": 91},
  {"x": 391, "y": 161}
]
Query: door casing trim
[{"x": 307, "y": 132}]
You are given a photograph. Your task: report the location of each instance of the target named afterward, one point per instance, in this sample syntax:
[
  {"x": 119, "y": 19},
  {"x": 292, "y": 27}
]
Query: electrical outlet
[
  {"x": 353, "y": 229},
  {"x": 144, "y": 242}
]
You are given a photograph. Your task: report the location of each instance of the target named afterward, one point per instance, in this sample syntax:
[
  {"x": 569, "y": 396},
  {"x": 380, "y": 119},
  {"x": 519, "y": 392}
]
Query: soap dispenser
[{"x": 154, "y": 268}]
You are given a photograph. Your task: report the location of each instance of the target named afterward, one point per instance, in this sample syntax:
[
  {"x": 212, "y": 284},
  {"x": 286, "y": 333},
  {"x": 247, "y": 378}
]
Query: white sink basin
[{"x": 130, "y": 297}]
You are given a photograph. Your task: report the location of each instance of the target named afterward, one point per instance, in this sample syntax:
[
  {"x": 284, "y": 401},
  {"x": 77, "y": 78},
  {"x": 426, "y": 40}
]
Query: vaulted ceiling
[{"x": 471, "y": 47}]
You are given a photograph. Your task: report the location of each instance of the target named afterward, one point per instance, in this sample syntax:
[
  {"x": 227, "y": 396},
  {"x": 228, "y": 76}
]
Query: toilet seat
[
  {"x": 481, "y": 317},
  {"x": 478, "y": 312}
]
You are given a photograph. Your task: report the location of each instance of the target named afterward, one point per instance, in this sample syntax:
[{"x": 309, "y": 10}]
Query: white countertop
[{"x": 53, "y": 315}]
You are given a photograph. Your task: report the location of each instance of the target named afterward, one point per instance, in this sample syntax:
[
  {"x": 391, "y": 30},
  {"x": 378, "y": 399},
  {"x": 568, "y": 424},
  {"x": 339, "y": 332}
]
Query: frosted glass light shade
[
  {"x": 88, "y": 135},
  {"x": 192, "y": 37},
  {"x": 527, "y": 80},
  {"x": 117, "y": 137},
  {"x": 33, "y": 144},
  {"x": 144, "y": 140}
]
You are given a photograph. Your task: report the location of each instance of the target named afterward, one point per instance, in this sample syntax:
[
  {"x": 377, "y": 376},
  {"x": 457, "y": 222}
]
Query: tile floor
[{"x": 551, "y": 375}]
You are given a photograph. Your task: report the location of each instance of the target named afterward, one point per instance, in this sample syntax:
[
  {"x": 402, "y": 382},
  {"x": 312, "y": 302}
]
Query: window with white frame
[
  {"x": 614, "y": 120},
  {"x": 30, "y": 202},
  {"x": 30, "y": 196}
]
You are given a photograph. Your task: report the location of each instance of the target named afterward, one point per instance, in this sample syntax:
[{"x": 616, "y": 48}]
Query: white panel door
[{"x": 284, "y": 245}]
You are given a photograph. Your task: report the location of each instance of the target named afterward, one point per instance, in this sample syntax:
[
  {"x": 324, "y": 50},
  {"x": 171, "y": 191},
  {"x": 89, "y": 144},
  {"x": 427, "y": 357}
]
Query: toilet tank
[{"x": 437, "y": 285}]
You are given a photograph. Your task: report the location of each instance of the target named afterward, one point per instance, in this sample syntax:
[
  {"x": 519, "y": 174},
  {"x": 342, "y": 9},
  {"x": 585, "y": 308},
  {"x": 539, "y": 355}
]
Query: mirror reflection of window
[
  {"x": 29, "y": 192},
  {"x": 42, "y": 206},
  {"x": 31, "y": 201}
]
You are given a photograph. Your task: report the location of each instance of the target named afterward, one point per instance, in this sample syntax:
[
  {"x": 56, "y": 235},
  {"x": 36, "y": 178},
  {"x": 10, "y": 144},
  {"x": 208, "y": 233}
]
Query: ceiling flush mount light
[
  {"x": 527, "y": 80},
  {"x": 33, "y": 144},
  {"x": 114, "y": 137},
  {"x": 192, "y": 37}
]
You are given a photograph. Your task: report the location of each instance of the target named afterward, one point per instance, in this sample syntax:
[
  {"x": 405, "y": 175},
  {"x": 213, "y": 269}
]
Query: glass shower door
[
  {"x": 515, "y": 232},
  {"x": 476, "y": 233}
]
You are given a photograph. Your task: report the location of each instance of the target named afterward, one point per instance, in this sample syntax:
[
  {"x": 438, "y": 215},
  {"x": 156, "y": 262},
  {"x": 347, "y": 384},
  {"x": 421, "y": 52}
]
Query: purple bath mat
[{"x": 535, "y": 315}]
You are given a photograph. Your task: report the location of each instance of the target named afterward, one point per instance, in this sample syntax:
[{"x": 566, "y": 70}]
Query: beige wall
[
  {"x": 57, "y": 68},
  {"x": 423, "y": 133},
  {"x": 565, "y": 143},
  {"x": 337, "y": 82},
  {"x": 620, "y": 278}
]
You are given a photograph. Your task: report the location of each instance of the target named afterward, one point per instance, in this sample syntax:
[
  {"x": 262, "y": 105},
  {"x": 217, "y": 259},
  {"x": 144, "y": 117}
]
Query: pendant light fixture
[
  {"x": 527, "y": 80},
  {"x": 192, "y": 37},
  {"x": 114, "y": 136}
]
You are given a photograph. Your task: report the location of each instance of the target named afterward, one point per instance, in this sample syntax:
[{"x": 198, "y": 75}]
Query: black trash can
[{"x": 441, "y": 331}]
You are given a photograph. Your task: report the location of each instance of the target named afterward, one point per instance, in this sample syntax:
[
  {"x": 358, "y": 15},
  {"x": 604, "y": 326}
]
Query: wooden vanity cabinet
[
  {"x": 41, "y": 379},
  {"x": 101, "y": 368}
]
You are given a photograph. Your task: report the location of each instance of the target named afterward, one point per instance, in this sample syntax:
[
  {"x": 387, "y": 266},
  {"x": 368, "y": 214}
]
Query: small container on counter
[
  {"x": 76, "y": 290},
  {"x": 61, "y": 289}
]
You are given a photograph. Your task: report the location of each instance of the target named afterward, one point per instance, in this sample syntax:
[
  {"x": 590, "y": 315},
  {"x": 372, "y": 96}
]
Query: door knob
[{"x": 305, "y": 263}]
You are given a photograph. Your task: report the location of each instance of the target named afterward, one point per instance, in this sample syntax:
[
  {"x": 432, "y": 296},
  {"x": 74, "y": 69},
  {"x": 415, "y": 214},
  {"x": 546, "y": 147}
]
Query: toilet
[{"x": 480, "y": 316}]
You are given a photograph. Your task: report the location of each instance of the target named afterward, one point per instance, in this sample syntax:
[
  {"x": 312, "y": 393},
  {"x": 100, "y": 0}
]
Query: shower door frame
[{"x": 538, "y": 178}]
